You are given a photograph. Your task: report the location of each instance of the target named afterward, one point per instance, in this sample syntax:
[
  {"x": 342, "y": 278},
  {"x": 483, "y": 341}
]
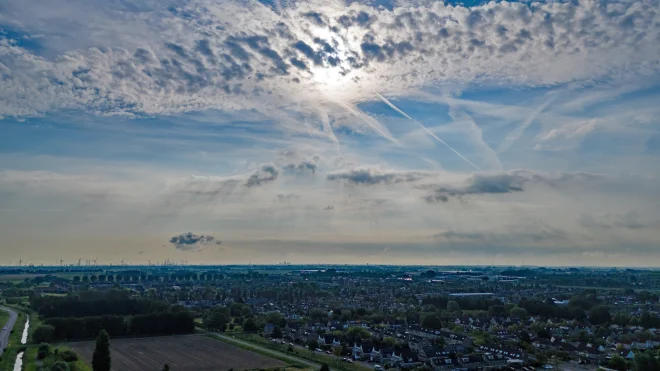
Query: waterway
[{"x": 18, "y": 365}]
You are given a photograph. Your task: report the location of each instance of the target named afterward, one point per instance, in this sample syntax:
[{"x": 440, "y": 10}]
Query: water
[
  {"x": 18, "y": 365},
  {"x": 25, "y": 331}
]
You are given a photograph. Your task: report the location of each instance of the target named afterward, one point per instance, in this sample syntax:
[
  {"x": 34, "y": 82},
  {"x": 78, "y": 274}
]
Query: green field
[
  {"x": 309, "y": 356},
  {"x": 31, "y": 363}
]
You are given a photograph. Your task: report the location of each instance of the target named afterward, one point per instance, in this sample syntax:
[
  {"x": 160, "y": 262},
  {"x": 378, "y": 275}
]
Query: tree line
[
  {"x": 113, "y": 302},
  {"x": 162, "y": 323}
]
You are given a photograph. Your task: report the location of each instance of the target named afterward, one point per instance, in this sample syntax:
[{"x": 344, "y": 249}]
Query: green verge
[
  {"x": 14, "y": 346},
  {"x": 288, "y": 359},
  {"x": 317, "y": 358},
  {"x": 31, "y": 363}
]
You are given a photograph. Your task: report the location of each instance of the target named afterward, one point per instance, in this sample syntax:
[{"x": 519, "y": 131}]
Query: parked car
[
  {"x": 378, "y": 367},
  {"x": 318, "y": 350}
]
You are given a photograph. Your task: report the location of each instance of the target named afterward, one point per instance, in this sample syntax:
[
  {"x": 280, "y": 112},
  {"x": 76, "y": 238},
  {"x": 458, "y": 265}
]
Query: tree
[
  {"x": 453, "y": 306},
  {"x": 43, "y": 334},
  {"x": 324, "y": 367},
  {"x": 101, "y": 356},
  {"x": 599, "y": 315},
  {"x": 166, "y": 367},
  {"x": 250, "y": 325},
  {"x": 388, "y": 342},
  {"x": 621, "y": 319},
  {"x": 338, "y": 350},
  {"x": 312, "y": 345},
  {"x": 432, "y": 321},
  {"x": 217, "y": 319},
  {"x": 497, "y": 310},
  {"x": 618, "y": 363},
  {"x": 518, "y": 312},
  {"x": 277, "y": 332},
  {"x": 645, "y": 362}
]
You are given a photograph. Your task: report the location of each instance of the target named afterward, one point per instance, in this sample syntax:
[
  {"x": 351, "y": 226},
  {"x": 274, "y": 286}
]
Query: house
[
  {"x": 268, "y": 329},
  {"x": 589, "y": 351},
  {"x": 409, "y": 359},
  {"x": 444, "y": 364},
  {"x": 328, "y": 340},
  {"x": 416, "y": 343},
  {"x": 396, "y": 324},
  {"x": 494, "y": 360},
  {"x": 471, "y": 362},
  {"x": 390, "y": 357},
  {"x": 292, "y": 330},
  {"x": 361, "y": 350},
  {"x": 335, "y": 325},
  {"x": 627, "y": 354}
]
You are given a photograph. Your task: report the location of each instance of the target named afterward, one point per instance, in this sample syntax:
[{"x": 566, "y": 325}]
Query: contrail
[
  {"x": 518, "y": 132},
  {"x": 427, "y": 130},
  {"x": 360, "y": 115}
]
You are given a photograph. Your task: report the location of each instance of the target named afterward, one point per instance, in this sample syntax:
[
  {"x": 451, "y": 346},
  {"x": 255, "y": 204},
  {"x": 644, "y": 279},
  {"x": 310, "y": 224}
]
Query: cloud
[
  {"x": 302, "y": 167},
  {"x": 630, "y": 220},
  {"x": 193, "y": 242},
  {"x": 199, "y": 54},
  {"x": 266, "y": 173},
  {"x": 372, "y": 176}
]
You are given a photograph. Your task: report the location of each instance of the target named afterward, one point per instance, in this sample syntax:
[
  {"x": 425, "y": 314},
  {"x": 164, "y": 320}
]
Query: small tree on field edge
[{"x": 101, "y": 356}]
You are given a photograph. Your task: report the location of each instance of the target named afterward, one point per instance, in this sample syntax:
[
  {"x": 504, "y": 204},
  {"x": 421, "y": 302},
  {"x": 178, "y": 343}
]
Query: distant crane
[
  {"x": 20, "y": 261},
  {"x": 122, "y": 262},
  {"x": 61, "y": 262},
  {"x": 79, "y": 262}
]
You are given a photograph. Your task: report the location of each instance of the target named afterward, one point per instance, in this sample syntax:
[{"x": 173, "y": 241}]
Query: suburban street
[{"x": 4, "y": 335}]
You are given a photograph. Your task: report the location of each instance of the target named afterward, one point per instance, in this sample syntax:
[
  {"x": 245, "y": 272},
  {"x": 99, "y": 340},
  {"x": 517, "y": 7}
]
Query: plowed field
[{"x": 182, "y": 353}]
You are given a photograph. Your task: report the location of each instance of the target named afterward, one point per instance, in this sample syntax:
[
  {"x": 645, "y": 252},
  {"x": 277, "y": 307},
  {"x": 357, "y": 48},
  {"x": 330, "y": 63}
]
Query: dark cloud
[
  {"x": 485, "y": 184},
  {"x": 372, "y": 177},
  {"x": 302, "y": 167},
  {"x": 193, "y": 242},
  {"x": 308, "y": 52},
  {"x": 286, "y": 198},
  {"x": 315, "y": 17},
  {"x": 298, "y": 63},
  {"x": 265, "y": 174}
]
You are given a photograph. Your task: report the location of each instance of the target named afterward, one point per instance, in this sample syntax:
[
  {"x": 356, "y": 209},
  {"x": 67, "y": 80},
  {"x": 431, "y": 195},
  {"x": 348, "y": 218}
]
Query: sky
[{"x": 337, "y": 132}]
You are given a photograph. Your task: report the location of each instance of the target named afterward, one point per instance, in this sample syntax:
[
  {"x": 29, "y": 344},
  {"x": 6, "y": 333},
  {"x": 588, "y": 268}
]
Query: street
[{"x": 6, "y": 329}]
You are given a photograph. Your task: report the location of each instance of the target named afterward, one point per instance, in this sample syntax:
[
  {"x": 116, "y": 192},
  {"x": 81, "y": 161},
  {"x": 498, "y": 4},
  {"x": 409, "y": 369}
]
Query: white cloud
[{"x": 186, "y": 57}]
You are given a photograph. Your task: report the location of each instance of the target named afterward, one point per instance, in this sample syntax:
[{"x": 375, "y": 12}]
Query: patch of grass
[
  {"x": 4, "y": 316},
  {"x": 31, "y": 363},
  {"x": 257, "y": 350},
  {"x": 306, "y": 355}
]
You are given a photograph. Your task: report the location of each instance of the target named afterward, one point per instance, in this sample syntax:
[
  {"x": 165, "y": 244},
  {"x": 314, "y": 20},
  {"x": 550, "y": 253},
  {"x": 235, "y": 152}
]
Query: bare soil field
[{"x": 182, "y": 353}]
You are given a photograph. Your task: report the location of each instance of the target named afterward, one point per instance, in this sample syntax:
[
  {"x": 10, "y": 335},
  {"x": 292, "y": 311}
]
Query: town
[{"x": 359, "y": 317}]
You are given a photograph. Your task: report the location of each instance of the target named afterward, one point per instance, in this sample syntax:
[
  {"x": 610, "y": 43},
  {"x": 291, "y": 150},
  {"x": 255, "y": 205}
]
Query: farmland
[{"x": 180, "y": 352}]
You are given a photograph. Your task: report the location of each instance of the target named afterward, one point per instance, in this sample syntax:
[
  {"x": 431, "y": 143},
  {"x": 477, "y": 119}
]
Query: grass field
[
  {"x": 182, "y": 353},
  {"x": 4, "y": 316},
  {"x": 309, "y": 356},
  {"x": 31, "y": 363}
]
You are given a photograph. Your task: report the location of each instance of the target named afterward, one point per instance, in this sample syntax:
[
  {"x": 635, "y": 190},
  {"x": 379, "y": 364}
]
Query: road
[
  {"x": 6, "y": 329},
  {"x": 268, "y": 351}
]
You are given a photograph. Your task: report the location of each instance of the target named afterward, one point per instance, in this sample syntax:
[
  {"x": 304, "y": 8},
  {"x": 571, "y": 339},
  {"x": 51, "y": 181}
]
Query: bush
[
  {"x": 60, "y": 366},
  {"x": 43, "y": 334},
  {"x": 43, "y": 351},
  {"x": 68, "y": 356}
]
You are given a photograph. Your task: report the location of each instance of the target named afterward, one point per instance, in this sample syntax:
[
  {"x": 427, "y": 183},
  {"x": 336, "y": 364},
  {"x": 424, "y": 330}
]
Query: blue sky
[{"x": 341, "y": 132}]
